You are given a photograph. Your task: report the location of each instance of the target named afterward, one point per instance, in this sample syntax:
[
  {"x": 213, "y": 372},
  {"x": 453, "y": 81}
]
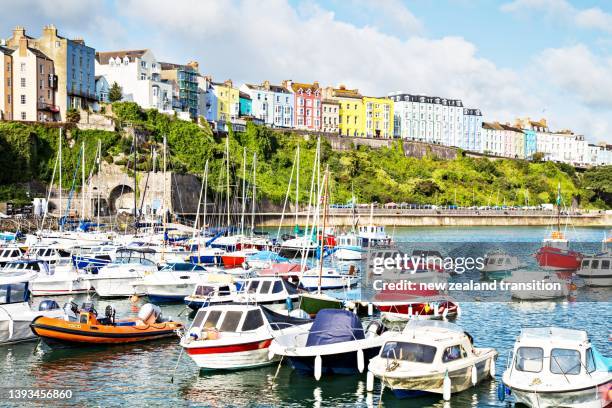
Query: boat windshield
[
  {"x": 565, "y": 361},
  {"x": 127, "y": 259},
  {"x": 412, "y": 352},
  {"x": 529, "y": 359}
]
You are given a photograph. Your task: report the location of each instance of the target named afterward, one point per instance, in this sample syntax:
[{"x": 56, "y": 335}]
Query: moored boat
[
  {"x": 557, "y": 367},
  {"x": 596, "y": 270},
  {"x": 431, "y": 357},
  {"x": 84, "y": 327}
]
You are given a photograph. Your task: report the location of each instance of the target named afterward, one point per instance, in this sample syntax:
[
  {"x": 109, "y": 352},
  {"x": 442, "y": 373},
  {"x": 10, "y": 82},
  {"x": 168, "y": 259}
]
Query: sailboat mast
[
  {"x": 60, "y": 178},
  {"x": 243, "y": 190},
  {"x": 135, "y": 183},
  {"x": 297, "y": 186},
  {"x": 559, "y": 207},
  {"x": 99, "y": 163},
  {"x": 322, "y": 252},
  {"x": 227, "y": 184},
  {"x": 83, "y": 180},
  {"x": 165, "y": 215},
  {"x": 254, "y": 193}
]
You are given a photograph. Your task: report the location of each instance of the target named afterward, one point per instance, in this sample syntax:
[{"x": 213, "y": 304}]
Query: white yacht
[
  {"x": 10, "y": 253},
  {"x": 298, "y": 245},
  {"x": 121, "y": 277},
  {"x": 499, "y": 264},
  {"x": 349, "y": 247},
  {"x": 50, "y": 279},
  {"x": 557, "y": 367},
  {"x": 15, "y": 311},
  {"x": 596, "y": 270},
  {"x": 267, "y": 290},
  {"x": 537, "y": 285},
  {"x": 374, "y": 236},
  {"x": 326, "y": 278},
  {"x": 171, "y": 283}
]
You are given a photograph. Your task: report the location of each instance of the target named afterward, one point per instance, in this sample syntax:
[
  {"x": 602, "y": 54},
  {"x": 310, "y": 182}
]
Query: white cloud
[{"x": 591, "y": 18}]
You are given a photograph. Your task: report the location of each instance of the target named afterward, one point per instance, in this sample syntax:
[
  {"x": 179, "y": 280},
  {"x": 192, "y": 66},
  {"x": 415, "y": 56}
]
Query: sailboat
[
  {"x": 555, "y": 253},
  {"x": 350, "y": 245}
]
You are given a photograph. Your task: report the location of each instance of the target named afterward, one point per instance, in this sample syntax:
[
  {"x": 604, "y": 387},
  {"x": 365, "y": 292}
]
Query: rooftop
[{"x": 104, "y": 57}]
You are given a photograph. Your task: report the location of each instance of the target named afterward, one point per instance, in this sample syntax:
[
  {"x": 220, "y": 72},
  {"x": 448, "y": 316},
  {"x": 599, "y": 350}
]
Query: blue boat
[{"x": 336, "y": 343}]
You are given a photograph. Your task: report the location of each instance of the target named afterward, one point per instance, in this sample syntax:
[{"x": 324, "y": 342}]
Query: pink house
[{"x": 308, "y": 102}]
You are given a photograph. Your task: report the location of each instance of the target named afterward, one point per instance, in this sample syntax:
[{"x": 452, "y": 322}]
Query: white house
[
  {"x": 274, "y": 104},
  {"x": 138, "y": 74}
]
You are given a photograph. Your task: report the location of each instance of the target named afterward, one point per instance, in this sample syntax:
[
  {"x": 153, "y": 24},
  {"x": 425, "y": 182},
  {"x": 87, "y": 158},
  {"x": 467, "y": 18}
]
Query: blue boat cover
[
  {"x": 602, "y": 363},
  {"x": 334, "y": 326}
]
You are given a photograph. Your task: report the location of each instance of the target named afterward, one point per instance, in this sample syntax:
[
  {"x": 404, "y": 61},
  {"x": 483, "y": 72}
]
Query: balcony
[{"x": 48, "y": 107}]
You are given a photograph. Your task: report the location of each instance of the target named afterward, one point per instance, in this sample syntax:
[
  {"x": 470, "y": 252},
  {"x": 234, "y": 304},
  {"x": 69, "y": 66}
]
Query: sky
[{"x": 509, "y": 58}]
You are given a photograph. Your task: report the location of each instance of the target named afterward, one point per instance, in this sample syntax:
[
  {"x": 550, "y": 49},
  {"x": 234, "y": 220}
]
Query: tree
[
  {"x": 115, "y": 93},
  {"x": 537, "y": 157},
  {"x": 73, "y": 116}
]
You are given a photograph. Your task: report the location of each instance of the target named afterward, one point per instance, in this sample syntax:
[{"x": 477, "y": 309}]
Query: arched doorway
[{"x": 121, "y": 196}]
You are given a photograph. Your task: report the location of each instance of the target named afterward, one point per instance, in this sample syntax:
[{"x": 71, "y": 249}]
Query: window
[
  {"x": 253, "y": 286},
  {"x": 590, "y": 361},
  {"x": 143, "y": 76},
  {"x": 230, "y": 322},
  {"x": 265, "y": 287},
  {"x": 565, "y": 361},
  {"x": 199, "y": 318},
  {"x": 212, "y": 319},
  {"x": 253, "y": 320},
  {"x": 529, "y": 359},
  {"x": 23, "y": 82},
  {"x": 595, "y": 264},
  {"x": 23, "y": 67},
  {"x": 23, "y": 116},
  {"x": 40, "y": 68},
  {"x": 418, "y": 353},
  {"x": 23, "y": 99},
  {"x": 453, "y": 353},
  {"x": 605, "y": 264}
]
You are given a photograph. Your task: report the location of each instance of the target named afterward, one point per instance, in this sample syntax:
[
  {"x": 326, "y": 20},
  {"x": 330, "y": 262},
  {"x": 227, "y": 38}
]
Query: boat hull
[
  {"x": 232, "y": 357},
  {"x": 61, "y": 287},
  {"x": 311, "y": 304},
  {"x": 592, "y": 397},
  {"x": 600, "y": 280},
  {"x": 117, "y": 287},
  {"x": 555, "y": 259},
  {"x": 341, "y": 363}
]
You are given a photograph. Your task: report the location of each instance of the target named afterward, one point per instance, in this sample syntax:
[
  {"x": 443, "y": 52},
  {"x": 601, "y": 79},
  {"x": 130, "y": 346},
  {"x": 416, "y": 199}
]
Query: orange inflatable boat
[{"x": 83, "y": 327}]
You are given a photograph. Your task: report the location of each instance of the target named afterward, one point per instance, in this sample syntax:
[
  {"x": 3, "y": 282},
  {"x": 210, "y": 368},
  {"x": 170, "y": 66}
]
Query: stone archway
[{"x": 121, "y": 196}]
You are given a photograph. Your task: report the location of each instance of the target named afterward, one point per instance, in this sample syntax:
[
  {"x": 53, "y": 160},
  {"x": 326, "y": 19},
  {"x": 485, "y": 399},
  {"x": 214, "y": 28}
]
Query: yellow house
[
  {"x": 228, "y": 101},
  {"x": 378, "y": 117},
  {"x": 350, "y": 115}
]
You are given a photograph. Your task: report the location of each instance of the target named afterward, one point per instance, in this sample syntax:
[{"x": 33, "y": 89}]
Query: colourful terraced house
[
  {"x": 378, "y": 117},
  {"x": 351, "y": 114},
  {"x": 228, "y": 101}
]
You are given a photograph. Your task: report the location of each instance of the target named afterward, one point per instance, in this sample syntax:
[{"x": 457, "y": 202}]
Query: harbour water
[{"x": 139, "y": 375}]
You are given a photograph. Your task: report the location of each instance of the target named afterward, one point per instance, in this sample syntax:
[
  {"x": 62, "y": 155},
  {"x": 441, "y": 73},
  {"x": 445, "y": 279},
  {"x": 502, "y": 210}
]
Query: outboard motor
[
  {"x": 109, "y": 313},
  {"x": 374, "y": 328},
  {"x": 149, "y": 313},
  {"x": 48, "y": 304}
]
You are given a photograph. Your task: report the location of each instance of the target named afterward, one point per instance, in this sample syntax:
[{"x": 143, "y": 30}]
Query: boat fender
[
  {"x": 289, "y": 303},
  {"x": 410, "y": 310},
  {"x": 360, "y": 360},
  {"x": 436, "y": 309},
  {"x": 318, "y": 367},
  {"x": 194, "y": 333},
  {"x": 270, "y": 354},
  {"x": 501, "y": 392},
  {"x": 474, "y": 375},
  {"x": 445, "y": 313},
  {"x": 492, "y": 368},
  {"x": 458, "y": 311},
  {"x": 370, "y": 382},
  {"x": 370, "y": 309},
  {"x": 446, "y": 387}
]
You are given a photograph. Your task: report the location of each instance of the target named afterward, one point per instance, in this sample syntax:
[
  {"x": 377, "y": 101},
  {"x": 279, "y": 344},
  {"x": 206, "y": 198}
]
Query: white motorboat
[
  {"x": 171, "y": 283},
  {"x": 51, "y": 279},
  {"x": 557, "y": 367},
  {"x": 214, "y": 290},
  {"x": 349, "y": 247},
  {"x": 10, "y": 253},
  {"x": 499, "y": 264},
  {"x": 15, "y": 311},
  {"x": 596, "y": 270},
  {"x": 336, "y": 343},
  {"x": 431, "y": 357},
  {"x": 327, "y": 278},
  {"x": 121, "y": 277},
  {"x": 267, "y": 290},
  {"x": 373, "y": 236},
  {"x": 230, "y": 337},
  {"x": 297, "y": 246},
  {"x": 536, "y": 285}
]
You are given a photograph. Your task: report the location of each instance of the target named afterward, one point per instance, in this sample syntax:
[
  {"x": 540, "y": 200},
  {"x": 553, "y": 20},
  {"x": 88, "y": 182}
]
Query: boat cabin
[
  {"x": 143, "y": 256},
  {"x": 49, "y": 254},
  {"x": 557, "y": 240},
  {"x": 428, "y": 342},
  {"x": 14, "y": 286},
  {"x": 267, "y": 290},
  {"x": 10, "y": 253},
  {"x": 32, "y": 265},
  {"x": 551, "y": 352},
  {"x": 228, "y": 318},
  {"x": 182, "y": 267}
]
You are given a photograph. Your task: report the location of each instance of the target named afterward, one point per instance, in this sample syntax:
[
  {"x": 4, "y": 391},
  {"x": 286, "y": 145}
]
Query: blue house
[
  {"x": 531, "y": 145},
  {"x": 246, "y": 104}
]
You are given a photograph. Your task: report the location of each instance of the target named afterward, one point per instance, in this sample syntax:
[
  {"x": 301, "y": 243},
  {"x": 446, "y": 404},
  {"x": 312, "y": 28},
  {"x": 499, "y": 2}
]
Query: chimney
[
  {"x": 23, "y": 47},
  {"x": 287, "y": 83},
  {"x": 228, "y": 83},
  {"x": 194, "y": 64},
  {"x": 18, "y": 32},
  {"x": 266, "y": 85},
  {"x": 315, "y": 84},
  {"x": 342, "y": 87},
  {"x": 49, "y": 31}
]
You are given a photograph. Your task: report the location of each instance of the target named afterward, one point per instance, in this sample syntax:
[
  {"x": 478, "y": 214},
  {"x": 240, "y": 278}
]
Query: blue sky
[{"x": 509, "y": 58}]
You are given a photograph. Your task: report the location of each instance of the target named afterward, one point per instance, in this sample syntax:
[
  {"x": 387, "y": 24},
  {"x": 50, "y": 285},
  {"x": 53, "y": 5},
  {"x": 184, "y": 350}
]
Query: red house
[{"x": 308, "y": 99}]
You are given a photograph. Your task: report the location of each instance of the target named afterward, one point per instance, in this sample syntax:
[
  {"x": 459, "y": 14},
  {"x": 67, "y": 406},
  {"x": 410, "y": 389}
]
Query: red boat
[
  {"x": 402, "y": 305},
  {"x": 555, "y": 255},
  {"x": 237, "y": 258}
]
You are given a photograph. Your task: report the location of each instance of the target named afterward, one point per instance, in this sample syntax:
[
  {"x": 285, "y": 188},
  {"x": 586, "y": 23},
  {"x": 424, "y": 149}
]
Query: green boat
[{"x": 311, "y": 303}]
